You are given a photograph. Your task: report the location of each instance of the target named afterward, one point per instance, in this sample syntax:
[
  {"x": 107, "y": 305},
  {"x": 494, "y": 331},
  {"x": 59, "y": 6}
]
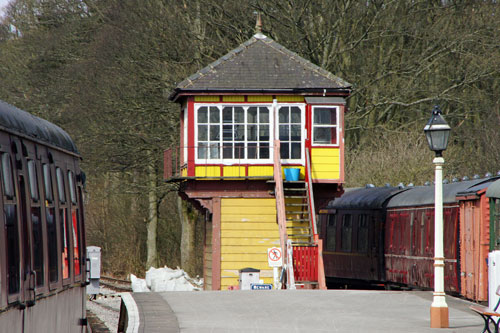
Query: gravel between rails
[{"x": 107, "y": 308}]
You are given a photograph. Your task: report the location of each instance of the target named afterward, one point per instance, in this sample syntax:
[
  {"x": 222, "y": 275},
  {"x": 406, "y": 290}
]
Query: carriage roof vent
[
  {"x": 487, "y": 175},
  {"x": 476, "y": 176},
  {"x": 410, "y": 185},
  {"x": 387, "y": 185},
  {"x": 446, "y": 181},
  {"x": 401, "y": 185},
  {"x": 455, "y": 180},
  {"x": 465, "y": 178},
  {"x": 369, "y": 186},
  {"x": 427, "y": 183}
]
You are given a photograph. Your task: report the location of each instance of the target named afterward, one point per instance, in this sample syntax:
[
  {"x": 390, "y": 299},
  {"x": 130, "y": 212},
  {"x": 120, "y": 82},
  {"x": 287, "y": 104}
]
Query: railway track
[{"x": 115, "y": 284}]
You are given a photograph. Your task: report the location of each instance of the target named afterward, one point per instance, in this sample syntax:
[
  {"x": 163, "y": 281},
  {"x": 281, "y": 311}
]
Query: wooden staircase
[{"x": 297, "y": 225}]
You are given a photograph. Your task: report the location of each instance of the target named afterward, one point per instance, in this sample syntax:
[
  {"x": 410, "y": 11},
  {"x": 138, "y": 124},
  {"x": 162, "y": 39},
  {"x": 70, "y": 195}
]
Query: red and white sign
[{"x": 274, "y": 257}]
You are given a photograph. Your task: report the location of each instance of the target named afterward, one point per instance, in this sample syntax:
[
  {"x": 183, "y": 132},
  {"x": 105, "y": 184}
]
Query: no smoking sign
[{"x": 274, "y": 257}]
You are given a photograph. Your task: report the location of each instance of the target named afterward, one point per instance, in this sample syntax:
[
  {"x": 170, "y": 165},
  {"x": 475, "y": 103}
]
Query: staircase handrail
[
  {"x": 280, "y": 200},
  {"x": 311, "y": 194}
]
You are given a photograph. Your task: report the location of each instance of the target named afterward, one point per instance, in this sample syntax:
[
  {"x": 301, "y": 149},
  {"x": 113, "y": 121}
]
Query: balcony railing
[{"x": 177, "y": 160}]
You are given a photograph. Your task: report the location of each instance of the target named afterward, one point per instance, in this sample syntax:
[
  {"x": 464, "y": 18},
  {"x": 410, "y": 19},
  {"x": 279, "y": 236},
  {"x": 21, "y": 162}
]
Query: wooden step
[
  {"x": 303, "y": 243},
  {"x": 297, "y": 220},
  {"x": 292, "y": 189},
  {"x": 295, "y": 197},
  {"x": 300, "y": 235},
  {"x": 297, "y": 212},
  {"x": 305, "y": 228},
  {"x": 296, "y": 204}
]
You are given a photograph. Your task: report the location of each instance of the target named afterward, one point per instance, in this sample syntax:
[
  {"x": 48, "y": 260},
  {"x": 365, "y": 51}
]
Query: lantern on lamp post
[{"x": 437, "y": 132}]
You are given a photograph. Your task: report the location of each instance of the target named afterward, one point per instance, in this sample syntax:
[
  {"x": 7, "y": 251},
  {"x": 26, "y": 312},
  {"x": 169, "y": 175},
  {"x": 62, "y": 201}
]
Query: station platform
[{"x": 291, "y": 311}]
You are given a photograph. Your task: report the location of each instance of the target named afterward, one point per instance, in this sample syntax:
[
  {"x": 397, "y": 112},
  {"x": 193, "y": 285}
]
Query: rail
[{"x": 177, "y": 160}]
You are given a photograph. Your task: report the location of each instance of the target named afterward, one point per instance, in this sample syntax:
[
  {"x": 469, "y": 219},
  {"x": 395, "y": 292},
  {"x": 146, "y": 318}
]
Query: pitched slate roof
[{"x": 261, "y": 65}]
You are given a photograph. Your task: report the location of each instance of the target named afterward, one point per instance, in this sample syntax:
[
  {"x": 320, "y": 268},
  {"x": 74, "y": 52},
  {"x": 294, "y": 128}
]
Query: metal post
[{"x": 439, "y": 308}]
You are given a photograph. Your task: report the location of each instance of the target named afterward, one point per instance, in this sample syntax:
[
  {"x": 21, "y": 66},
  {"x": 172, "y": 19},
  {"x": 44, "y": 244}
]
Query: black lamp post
[{"x": 437, "y": 132}]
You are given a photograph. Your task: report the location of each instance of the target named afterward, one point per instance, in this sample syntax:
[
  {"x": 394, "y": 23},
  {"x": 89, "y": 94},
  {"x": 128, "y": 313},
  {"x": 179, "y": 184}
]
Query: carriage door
[{"x": 290, "y": 134}]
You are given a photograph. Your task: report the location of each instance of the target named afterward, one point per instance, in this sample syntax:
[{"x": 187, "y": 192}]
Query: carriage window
[
  {"x": 363, "y": 233},
  {"x": 346, "y": 233},
  {"x": 52, "y": 242},
  {"x": 36, "y": 225},
  {"x": 33, "y": 180},
  {"x": 76, "y": 240},
  {"x": 331, "y": 233},
  {"x": 60, "y": 185},
  {"x": 47, "y": 182},
  {"x": 8, "y": 185},
  {"x": 64, "y": 242},
  {"x": 71, "y": 184},
  {"x": 13, "y": 258}
]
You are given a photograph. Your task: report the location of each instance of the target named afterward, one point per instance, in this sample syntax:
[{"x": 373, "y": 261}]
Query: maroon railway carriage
[
  {"x": 42, "y": 265},
  {"x": 387, "y": 235},
  {"x": 352, "y": 229}
]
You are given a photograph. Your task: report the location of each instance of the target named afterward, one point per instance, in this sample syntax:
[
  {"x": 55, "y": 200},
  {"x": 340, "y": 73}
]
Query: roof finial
[{"x": 258, "y": 24}]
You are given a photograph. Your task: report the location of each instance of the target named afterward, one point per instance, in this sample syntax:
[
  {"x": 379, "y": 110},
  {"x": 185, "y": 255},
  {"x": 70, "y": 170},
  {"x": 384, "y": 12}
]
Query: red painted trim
[
  {"x": 216, "y": 273},
  {"x": 341, "y": 142},
  {"x": 191, "y": 143},
  {"x": 182, "y": 143}
]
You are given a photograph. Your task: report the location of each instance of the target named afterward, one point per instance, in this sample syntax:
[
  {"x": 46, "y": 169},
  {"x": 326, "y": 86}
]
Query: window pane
[
  {"x": 202, "y": 150},
  {"x": 76, "y": 241},
  {"x": 71, "y": 184},
  {"x": 202, "y": 132},
  {"x": 13, "y": 259},
  {"x": 283, "y": 114},
  {"x": 214, "y": 150},
  {"x": 331, "y": 233},
  {"x": 239, "y": 115},
  {"x": 346, "y": 233},
  {"x": 227, "y": 115},
  {"x": 227, "y": 133},
  {"x": 227, "y": 150},
  {"x": 214, "y": 132},
  {"x": 325, "y": 116},
  {"x": 52, "y": 242},
  {"x": 285, "y": 150},
  {"x": 264, "y": 115},
  {"x": 239, "y": 150},
  {"x": 252, "y": 132},
  {"x": 295, "y": 115},
  {"x": 64, "y": 241},
  {"x": 363, "y": 233},
  {"x": 264, "y": 133},
  {"x": 252, "y": 115},
  {"x": 323, "y": 135},
  {"x": 36, "y": 226},
  {"x": 214, "y": 114},
  {"x": 296, "y": 153},
  {"x": 60, "y": 185},
  {"x": 264, "y": 150},
  {"x": 284, "y": 134},
  {"x": 47, "y": 181},
  {"x": 8, "y": 185},
  {"x": 33, "y": 180},
  {"x": 252, "y": 150},
  {"x": 295, "y": 133},
  {"x": 239, "y": 132},
  {"x": 203, "y": 115}
]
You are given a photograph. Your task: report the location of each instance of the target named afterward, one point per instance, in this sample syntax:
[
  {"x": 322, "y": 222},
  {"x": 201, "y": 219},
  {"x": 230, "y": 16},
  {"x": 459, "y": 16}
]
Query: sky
[{"x": 3, "y": 3}]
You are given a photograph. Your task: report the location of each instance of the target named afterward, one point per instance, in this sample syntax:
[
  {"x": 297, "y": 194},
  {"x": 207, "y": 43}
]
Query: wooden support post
[{"x": 216, "y": 267}]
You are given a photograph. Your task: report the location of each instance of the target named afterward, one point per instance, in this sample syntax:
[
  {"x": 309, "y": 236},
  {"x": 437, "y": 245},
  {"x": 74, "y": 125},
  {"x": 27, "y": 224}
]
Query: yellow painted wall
[
  {"x": 260, "y": 171},
  {"x": 290, "y": 98},
  {"x": 267, "y": 98},
  {"x": 207, "y": 171},
  {"x": 325, "y": 163},
  {"x": 248, "y": 229},
  {"x": 234, "y": 171},
  {"x": 234, "y": 98}
]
